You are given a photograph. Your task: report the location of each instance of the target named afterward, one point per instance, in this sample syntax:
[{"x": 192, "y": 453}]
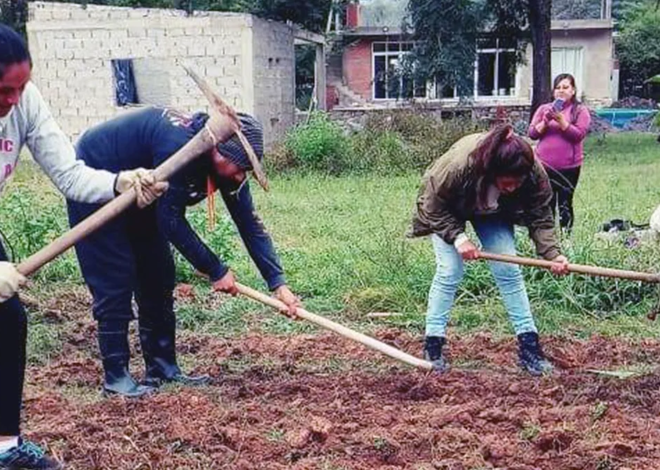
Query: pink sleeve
[
  {"x": 578, "y": 131},
  {"x": 538, "y": 117}
]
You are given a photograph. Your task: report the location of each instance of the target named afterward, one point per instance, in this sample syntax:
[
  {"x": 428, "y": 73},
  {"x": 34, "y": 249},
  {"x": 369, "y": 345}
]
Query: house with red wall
[{"x": 373, "y": 46}]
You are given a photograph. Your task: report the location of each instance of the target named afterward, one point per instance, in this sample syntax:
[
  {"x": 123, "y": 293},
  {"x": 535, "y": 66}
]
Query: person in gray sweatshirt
[{"x": 25, "y": 120}]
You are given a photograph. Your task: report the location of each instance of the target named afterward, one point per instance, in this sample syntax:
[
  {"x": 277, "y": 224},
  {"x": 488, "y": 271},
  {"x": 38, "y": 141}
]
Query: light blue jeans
[{"x": 496, "y": 236}]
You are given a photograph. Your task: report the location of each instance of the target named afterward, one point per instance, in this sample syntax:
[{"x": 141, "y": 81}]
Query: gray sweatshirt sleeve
[{"x": 53, "y": 151}]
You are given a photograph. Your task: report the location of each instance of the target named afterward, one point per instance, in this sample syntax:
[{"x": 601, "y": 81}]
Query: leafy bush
[
  {"x": 319, "y": 144},
  {"x": 390, "y": 143},
  {"x": 425, "y": 138},
  {"x": 380, "y": 152},
  {"x": 30, "y": 222}
]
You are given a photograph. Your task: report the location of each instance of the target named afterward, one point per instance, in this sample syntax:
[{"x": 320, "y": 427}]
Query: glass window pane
[
  {"x": 407, "y": 46},
  {"x": 447, "y": 91},
  {"x": 393, "y": 79},
  {"x": 379, "y": 47},
  {"x": 506, "y": 75},
  {"x": 393, "y": 46},
  {"x": 506, "y": 43},
  {"x": 380, "y": 77},
  {"x": 420, "y": 89},
  {"x": 486, "y": 74},
  {"x": 486, "y": 43},
  {"x": 407, "y": 87}
]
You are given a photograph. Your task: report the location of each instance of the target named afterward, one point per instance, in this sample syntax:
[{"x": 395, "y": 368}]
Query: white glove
[
  {"x": 146, "y": 186},
  {"x": 10, "y": 280}
]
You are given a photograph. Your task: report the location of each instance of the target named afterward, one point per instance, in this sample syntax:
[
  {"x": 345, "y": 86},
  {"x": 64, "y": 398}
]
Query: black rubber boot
[
  {"x": 531, "y": 358},
  {"x": 159, "y": 351},
  {"x": 27, "y": 456},
  {"x": 115, "y": 352},
  {"x": 433, "y": 352}
]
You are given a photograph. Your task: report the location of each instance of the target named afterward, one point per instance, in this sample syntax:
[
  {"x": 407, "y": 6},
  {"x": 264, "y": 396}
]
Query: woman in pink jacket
[{"x": 560, "y": 127}]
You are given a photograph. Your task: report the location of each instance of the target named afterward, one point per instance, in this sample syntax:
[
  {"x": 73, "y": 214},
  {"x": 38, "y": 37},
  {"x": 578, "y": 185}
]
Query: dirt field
[{"x": 320, "y": 402}]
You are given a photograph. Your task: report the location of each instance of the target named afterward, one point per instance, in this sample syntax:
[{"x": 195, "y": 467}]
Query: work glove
[
  {"x": 10, "y": 280},
  {"x": 145, "y": 184}
]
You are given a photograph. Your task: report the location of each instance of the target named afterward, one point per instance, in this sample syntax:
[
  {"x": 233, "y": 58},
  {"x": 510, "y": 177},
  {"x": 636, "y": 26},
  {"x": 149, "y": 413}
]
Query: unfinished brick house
[{"x": 91, "y": 62}]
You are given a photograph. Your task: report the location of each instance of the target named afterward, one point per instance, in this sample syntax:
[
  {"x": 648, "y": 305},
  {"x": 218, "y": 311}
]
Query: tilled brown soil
[{"x": 321, "y": 402}]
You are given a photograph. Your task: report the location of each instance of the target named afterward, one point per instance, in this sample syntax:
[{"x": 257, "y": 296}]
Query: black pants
[
  {"x": 13, "y": 336},
  {"x": 563, "y": 184},
  {"x": 129, "y": 257}
]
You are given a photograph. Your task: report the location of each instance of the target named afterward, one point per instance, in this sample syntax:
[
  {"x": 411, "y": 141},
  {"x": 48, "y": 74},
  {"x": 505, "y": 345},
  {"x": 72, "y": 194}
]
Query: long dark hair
[
  {"x": 500, "y": 153},
  {"x": 576, "y": 103},
  {"x": 13, "y": 49}
]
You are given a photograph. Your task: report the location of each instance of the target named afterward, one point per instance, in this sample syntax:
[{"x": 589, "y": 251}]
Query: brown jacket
[{"x": 448, "y": 198}]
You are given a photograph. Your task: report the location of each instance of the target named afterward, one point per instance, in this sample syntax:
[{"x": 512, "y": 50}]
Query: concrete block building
[{"x": 77, "y": 51}]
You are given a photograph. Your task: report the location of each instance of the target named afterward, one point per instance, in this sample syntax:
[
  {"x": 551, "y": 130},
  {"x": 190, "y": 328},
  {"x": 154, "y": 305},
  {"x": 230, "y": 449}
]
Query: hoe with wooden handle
[
  {"x": 582, "y": 269},
  {"x": 204, "y": 141},
  {"x": 574, "y": 268}
]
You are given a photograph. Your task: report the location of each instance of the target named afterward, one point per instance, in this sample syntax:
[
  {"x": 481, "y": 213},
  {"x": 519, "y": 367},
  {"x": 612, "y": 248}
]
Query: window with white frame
[
  {"x": 494, "y": 72},
  {"x": 388, "y": 81},
  {"x": 495, "y": 69}
]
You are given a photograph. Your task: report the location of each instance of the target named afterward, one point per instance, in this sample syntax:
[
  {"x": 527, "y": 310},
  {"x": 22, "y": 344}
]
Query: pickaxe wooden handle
[
  {"x": 339, "y": 329},
  {"x": 204, "y": 141},
  {"x": 574, "y": 268},
  {"x": 197, "y": 146}
]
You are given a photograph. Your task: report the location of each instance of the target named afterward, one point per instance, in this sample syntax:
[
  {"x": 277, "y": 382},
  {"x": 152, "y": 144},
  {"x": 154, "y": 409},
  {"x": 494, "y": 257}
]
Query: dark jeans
[
  {"x": 13, "y": 336},
  {"x": 127, "y": 257},
  {"x": 563, "y": 184}
]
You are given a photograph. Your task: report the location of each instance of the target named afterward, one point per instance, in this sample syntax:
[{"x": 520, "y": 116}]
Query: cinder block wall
[
  {"x": 72, "y": 49},
  {"x": 274, "y": 76}
]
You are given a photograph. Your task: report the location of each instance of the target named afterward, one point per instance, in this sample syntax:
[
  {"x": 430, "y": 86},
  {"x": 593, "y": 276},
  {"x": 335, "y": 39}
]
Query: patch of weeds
[
  {"x": 599, "y": 410},
  {"x": 238, "y": 365},
  {"x": 81, "y": 395},
  {"x": 275, "y": 435},
  {"x": 530, "y": 431},
  {"x": 605, "y": 463},
  {"x": 194, "y": 317},
  {"x": 44, "y": 343},
  {"x": 332, "y": 466},
  {"x": 381, "y": 444}
]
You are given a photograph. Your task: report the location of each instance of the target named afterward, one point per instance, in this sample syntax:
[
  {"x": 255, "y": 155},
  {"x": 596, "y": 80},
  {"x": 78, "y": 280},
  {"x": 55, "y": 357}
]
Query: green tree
[
  {"x": 446, "y": 34},
  {"x": 14, "y": 13},
  {"x": 638, "y": 47}
]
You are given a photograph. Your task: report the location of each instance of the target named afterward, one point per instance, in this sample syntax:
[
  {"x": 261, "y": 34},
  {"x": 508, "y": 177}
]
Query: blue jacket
[{"x": 147, "y": 137}]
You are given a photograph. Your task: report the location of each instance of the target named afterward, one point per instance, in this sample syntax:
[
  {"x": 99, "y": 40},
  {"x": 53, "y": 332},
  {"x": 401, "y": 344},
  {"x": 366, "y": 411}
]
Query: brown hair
[{"x": 500, "y": 153}]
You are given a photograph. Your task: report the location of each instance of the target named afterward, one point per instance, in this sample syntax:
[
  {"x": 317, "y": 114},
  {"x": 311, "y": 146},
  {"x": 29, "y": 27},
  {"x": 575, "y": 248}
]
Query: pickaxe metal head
[{"x": 219, "y": 105}]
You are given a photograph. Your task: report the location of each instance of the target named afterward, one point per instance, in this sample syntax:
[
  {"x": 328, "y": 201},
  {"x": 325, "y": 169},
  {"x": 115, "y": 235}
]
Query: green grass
[
  {"x": 342, "y": 243},
  {"x": 343, "y": 246}
]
